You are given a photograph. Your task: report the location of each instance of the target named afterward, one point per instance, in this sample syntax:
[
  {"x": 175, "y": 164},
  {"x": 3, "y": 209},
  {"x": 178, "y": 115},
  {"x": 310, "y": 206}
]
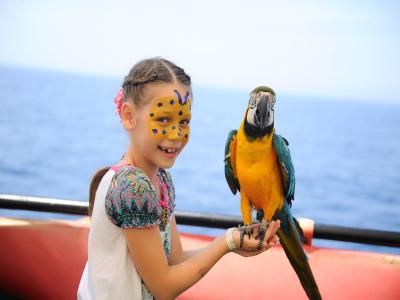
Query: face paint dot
[
  {"x": 180, "y": 113},
  {"x": 171, "y": 102},
  {"x": 164, "y": 132},
  {"x": 155, "y": 130},
  {"x": 159, "y": 104},
  {"x": 151, "y": 115},
  {"x": 186, "y": 136},
  {"x": 173, "y": 127}
]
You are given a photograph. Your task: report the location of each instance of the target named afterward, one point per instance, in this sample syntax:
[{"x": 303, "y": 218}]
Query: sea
[{"x": 58, "y": 128}]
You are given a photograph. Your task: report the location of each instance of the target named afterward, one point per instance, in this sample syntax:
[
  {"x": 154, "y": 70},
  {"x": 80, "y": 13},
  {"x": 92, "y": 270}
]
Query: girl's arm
[
  {"x": 164, "y": 281},
  {"x": 167, "y": 282},
  {"x": 177, "y": 254}
]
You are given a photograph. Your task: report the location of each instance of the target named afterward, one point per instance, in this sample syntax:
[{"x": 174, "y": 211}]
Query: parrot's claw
[
  {"x": 244, "y": 230},
  {"x": 262, "y": 229}
]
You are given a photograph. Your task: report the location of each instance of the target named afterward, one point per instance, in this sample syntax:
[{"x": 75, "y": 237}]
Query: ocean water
[{"x": 57, "y": 128}]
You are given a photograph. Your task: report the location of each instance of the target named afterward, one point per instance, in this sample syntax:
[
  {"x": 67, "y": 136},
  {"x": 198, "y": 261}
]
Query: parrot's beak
[{"x": 262, "y": 115}]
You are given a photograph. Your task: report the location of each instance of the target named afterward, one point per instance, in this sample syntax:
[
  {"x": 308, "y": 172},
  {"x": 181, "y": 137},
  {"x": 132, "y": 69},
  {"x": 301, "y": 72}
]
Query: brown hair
[
  {"x": 152, "y": 70},
  {"x": 94, "y": 184}
]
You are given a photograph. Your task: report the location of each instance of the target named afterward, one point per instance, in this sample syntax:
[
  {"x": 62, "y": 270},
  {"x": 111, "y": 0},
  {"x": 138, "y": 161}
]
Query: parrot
[{"x": 258, "y": 164}]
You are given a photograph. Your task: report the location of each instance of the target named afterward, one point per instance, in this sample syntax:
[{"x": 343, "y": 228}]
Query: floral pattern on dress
[{"x": 131, "y": 199}]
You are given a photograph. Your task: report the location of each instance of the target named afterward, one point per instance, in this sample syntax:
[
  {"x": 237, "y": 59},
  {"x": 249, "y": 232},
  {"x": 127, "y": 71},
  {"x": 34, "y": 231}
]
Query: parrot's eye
[
  {"x": 273, "y": 101},
  {"x": 252, "y": 102}
]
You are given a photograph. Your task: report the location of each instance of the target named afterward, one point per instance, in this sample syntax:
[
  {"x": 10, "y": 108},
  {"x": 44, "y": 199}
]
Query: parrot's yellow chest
[{"x": 258, "y": 172}]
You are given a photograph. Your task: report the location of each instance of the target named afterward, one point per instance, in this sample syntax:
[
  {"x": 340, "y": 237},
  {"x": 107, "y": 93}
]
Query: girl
[{"x": 134, "y": 249}]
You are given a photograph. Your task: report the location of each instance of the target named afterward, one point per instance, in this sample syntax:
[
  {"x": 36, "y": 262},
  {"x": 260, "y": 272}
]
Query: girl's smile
[{"x": 169, "y": 152}]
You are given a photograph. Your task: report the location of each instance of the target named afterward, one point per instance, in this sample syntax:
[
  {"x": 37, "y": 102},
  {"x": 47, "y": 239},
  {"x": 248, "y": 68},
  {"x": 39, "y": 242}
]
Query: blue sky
[{"x": 345, "y": 49}]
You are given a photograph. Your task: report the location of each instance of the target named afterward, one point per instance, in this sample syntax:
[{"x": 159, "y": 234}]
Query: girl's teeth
[{"x": 167, "y": 150}]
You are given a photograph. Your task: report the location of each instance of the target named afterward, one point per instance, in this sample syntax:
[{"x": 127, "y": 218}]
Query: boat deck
[{"x": 44, "y": 259}]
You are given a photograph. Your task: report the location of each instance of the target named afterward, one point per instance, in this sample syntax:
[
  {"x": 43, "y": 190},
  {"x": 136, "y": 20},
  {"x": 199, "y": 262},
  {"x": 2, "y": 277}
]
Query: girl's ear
[{"x": 128, "y": 116}]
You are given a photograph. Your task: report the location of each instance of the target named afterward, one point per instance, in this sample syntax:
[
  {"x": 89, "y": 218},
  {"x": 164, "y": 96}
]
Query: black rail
[{"x": 321, "y": 231}]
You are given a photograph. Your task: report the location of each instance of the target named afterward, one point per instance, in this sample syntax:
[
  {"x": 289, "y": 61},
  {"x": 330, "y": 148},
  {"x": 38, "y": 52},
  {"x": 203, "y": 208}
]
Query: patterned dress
[
  {"x": 131, "y": 202},
  {"x": 125, "y": 198}
]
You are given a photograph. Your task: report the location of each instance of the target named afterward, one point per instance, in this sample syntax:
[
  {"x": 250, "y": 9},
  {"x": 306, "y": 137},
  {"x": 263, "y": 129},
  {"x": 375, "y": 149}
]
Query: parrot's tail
[{"x": 290, "y": 241}]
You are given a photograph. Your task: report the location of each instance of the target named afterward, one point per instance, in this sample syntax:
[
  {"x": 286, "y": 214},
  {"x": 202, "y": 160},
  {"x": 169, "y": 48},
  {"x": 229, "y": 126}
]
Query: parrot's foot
[
  {"x": 260, "y": 215},
  {"x": 244, "y": 230},
  {"x": 262, "y": 230}
]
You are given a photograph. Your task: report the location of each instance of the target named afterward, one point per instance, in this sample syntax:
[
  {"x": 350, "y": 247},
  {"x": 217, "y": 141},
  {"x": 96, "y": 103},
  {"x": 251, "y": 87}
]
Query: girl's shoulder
[
  {"x": 131, "y": 200},
  {"x": 130, "y": 174}
]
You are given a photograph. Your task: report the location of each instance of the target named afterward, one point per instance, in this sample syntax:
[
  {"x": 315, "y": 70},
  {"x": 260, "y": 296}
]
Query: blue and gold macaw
[{"x": 258, "y": 164}]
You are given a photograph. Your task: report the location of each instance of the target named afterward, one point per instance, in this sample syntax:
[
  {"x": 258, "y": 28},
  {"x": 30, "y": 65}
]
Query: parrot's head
[{"x": 259, "y": 119}]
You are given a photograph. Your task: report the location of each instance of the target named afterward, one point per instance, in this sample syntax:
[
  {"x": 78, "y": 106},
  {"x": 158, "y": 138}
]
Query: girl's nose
[{"x": 174, "y": 133}]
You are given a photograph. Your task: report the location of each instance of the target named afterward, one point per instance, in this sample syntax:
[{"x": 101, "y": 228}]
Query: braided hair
[{"x": 152, "y": 70}]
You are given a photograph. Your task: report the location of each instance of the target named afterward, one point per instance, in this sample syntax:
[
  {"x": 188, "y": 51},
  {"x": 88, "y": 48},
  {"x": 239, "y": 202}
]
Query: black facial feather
[{"x": 253, "y": 132}]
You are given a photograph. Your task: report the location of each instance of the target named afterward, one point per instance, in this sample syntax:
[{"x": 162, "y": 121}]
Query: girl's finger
[
  {"x": 275, "y": 228},
  {"x": 275, "y": 236},
  {"x": 270, "y": 230},
  {"x": 277, "y": 224},
  {"x": 251, "y": 244},
  {"x": 271, "y": 244},
  {"x": 273, "y": 239}
]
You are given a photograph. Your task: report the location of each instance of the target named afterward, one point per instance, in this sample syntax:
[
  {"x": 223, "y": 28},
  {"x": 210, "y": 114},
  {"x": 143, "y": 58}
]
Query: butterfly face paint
[{"x": 169, "y": 117}]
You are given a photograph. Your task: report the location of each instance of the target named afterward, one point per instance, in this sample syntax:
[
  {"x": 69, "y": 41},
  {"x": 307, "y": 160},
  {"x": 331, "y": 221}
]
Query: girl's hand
[{"x": 250, "y": 245}]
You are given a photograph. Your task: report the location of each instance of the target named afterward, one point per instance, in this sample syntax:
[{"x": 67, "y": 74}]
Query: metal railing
[{"x": 321, "y": 231}]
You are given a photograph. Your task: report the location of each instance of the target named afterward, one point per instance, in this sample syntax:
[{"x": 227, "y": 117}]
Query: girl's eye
[
  {"x": 185, "y": 122},
  {"x": 163, "y": 120}
]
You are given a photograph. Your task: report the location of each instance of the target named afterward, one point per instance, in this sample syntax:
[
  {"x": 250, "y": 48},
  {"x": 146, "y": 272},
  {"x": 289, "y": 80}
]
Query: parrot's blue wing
[
  {"x": 290, "y": 233},
  {"x": 230, "y": 153},
  {"x": 290, "y": 237},
  {"x": 287, "y": 168},
  {"x": 288, "y": 178}
]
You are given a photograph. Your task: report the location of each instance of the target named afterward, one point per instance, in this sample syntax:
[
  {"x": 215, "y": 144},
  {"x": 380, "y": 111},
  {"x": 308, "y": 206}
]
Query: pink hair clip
[{"x": 118, "y": 100}]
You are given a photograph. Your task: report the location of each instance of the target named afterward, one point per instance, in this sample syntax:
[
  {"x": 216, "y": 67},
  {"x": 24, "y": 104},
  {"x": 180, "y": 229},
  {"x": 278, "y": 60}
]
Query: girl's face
[{"x": 162, "y": 124}]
